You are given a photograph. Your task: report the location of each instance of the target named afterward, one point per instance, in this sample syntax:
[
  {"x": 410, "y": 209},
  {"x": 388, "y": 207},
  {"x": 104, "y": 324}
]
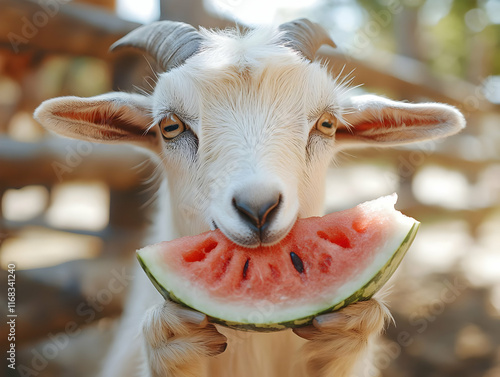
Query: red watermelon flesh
[{"x": 322, "y": 262}]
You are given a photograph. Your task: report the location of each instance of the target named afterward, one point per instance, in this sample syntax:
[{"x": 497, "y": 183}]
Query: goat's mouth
[{"x": 254, "y": 238}]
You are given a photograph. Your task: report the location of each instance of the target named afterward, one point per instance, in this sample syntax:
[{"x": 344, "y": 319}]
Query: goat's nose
[{"x": 257, "y": 213}]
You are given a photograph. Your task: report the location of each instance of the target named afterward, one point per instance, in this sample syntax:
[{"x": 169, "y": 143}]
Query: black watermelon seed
[
  {"x": 245, "y": 268},
  {"x": 297, "y": 262}
]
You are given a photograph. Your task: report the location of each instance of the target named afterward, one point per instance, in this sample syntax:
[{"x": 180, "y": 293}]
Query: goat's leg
[
  {"x": 338, "y": 340},
  {"x": 177, "y": 341}
]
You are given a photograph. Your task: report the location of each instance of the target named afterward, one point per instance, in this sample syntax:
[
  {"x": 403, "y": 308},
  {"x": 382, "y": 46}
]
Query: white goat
[{"x": 244, "y": 126}]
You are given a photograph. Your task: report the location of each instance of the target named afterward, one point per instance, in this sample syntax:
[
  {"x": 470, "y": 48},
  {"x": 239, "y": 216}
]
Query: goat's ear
[
  {"x": 109, "y": 118},
  {"x": 377, "y": 121}
]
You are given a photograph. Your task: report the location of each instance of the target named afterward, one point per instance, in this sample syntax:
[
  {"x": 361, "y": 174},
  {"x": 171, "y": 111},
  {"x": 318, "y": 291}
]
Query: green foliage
[{"x": 447, "y": 46}]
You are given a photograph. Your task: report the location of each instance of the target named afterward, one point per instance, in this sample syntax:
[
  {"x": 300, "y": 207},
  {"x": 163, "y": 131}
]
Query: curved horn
[
  {"x": 169, "y": 43},
  {"x": 305, "y": 37}
]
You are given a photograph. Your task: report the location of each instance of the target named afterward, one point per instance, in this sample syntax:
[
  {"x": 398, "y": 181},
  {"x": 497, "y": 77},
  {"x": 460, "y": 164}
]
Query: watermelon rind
[{"x": 264, "y": 318}]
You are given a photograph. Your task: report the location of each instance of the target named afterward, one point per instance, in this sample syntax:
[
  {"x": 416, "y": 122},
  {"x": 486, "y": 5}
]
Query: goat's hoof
[
  {"x": 169, "y": 326},
  {"x": 361, "y": 320}
]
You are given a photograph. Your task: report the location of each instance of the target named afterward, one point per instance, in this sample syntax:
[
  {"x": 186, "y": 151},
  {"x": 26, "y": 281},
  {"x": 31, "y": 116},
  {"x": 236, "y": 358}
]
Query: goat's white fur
[{"x": 251, "y": 105}]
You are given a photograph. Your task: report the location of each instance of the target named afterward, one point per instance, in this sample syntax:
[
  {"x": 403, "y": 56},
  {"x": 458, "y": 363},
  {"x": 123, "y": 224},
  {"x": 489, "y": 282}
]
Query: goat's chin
[{"x": 274, "y": 237}]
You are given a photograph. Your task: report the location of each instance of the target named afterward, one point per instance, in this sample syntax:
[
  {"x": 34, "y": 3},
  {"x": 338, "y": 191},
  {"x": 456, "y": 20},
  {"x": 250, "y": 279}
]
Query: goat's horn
[
  {"x": 169, "y": 43},
  {"x": 305, "y": 37}
]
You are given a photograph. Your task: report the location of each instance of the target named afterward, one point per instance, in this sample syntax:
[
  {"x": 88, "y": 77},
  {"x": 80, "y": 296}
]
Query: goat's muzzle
[
  {"x": 257, "y": 212},
  {"x": 257, "y": 215}
]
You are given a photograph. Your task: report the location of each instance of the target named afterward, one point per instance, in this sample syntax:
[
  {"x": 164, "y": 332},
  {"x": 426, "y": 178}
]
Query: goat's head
[{"x": 244, "y": 124}]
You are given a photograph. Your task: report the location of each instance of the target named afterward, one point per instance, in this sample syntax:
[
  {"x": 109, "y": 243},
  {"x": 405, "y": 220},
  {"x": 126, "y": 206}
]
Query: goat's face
[
  {"x": 253, "y": 154},
  {"x": 245, "y": 130}
]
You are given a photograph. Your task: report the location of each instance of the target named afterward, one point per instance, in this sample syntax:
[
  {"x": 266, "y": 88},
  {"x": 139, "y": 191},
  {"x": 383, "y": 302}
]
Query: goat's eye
[
  {"x": 171, "y": 127},
  {"x": 326, "y": 124}
]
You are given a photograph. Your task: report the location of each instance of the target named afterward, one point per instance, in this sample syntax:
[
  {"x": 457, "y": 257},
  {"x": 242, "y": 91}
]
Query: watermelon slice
[{"x": 322, "y": 265}]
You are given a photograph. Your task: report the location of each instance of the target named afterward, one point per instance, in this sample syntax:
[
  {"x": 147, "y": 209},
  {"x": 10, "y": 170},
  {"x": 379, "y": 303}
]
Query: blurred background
[{"x": 72, "y": 213}]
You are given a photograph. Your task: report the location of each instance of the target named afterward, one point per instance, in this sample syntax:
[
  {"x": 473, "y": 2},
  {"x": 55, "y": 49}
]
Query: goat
[{"x": 240, "y": 121}]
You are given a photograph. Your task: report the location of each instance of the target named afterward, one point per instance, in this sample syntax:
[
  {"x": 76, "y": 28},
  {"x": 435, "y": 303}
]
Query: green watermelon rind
[{"x": 363, "y": 294}]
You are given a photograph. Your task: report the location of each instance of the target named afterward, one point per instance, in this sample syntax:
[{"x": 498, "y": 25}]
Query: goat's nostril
[
  {"x": 257, "y": 213},
  {"x": 247, "y": 212},
  {"x": 268, "y": 208}
]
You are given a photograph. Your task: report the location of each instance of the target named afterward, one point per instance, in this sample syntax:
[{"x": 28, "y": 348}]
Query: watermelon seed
[
  {"x": 245, "y": 268},
  {"x": 297, "y": 262}
]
